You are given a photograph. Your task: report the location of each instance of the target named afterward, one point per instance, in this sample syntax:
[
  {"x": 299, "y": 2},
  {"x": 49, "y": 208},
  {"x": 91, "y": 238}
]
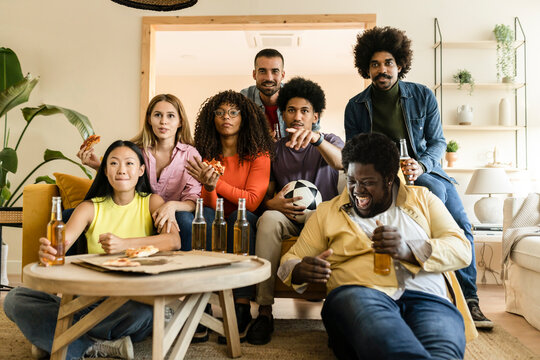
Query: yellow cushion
[{"x": 72, "y": 189}]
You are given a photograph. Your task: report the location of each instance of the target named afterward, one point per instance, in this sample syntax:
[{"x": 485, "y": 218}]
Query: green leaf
[
  {"x": 5, "y": 194},
  {"x": 78, "y": 120},
  {"x": 16, "y": 94},
  {"x": 8, "y": 159},
  {"x": 46, "y": 179},
  {"x": 10, "y": 69},
  {"x": 50, "y": 155}
]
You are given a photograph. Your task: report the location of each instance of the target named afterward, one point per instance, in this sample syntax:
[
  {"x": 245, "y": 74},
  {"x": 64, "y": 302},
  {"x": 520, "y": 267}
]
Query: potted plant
[
  {"x": 451, "y": 149},
  {"x": 505, "y": 52},
  {"x": 15, "y": 89},
  {"x": 464, "y": 76}
]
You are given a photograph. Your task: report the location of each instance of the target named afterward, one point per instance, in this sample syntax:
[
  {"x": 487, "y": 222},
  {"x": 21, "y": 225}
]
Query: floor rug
[{"x": 292, "y": 339}]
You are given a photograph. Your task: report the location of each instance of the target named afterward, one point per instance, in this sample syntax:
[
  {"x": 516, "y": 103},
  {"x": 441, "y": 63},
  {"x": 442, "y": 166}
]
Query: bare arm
[{"x": 300, "y": 138}]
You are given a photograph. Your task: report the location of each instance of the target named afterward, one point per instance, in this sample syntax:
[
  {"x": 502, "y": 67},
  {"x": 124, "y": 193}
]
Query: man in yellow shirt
[{"x": 406, "y": 313}]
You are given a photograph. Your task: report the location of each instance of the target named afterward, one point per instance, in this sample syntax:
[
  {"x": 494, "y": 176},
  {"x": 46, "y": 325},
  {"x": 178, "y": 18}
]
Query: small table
[
  {"x": 81, "y": 287},
  {"x": 491, "y": 240}
]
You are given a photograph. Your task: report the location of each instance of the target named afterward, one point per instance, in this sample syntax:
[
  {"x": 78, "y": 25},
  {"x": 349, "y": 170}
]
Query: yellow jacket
[{"x": 352, "y": 258}]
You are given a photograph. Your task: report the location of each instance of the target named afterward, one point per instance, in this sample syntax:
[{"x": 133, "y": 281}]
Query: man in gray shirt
[{"x": 303, "y": 155}]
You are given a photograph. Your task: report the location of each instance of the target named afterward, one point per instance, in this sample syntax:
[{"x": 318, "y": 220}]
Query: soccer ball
[{"x": 311, "y": 197}]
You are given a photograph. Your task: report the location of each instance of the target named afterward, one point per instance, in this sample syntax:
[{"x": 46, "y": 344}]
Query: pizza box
[{"x": 164, "y": 261}]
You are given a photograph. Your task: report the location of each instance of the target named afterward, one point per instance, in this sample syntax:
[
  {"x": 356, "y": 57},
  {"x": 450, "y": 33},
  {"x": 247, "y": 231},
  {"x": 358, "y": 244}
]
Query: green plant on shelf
[
  {"x": 452, "y": 146},
  {"x": 505, "y": 52},
  {"x": 463, "y": 76}
]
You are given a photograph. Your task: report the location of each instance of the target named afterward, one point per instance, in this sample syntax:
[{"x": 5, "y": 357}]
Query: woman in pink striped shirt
[{"x": 166, "y": 142}]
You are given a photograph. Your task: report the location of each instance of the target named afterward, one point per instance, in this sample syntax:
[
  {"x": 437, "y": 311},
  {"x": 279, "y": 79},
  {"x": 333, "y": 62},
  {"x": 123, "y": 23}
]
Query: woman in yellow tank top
[{"x": 117, "y": 215}]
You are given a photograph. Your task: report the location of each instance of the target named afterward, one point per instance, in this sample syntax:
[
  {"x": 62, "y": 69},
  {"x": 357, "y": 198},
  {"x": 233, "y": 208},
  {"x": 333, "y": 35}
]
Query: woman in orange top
[{"x": 232, "y": 129}]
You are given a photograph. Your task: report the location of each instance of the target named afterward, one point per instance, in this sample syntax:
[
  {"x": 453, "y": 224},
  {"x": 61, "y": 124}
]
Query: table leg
[
  {"x": 65, "y": 334},
  {"x": 159, "y": 327},
  {"x": 62, "y": 324},
  {"x": 226, "y": 301}
]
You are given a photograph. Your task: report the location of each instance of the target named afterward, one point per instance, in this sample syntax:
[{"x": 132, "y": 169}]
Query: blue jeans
[
  {"x": 364, "y": 323},
  {"x": 446, "y": 191},
  {"x": 209, "y": 215},
  {"x": 36, "y": 312},
  {"x": 184, "y": 220}
]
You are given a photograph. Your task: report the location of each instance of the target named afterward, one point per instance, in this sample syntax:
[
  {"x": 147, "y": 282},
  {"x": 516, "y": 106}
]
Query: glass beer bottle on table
[
  {"x": 404, "y": 160},
  {"x": 241, "y": 230},
  {"x": 198, "y": 228},
  {"x": 219, "y": 229},
  {"x": 56, "y": 232}
]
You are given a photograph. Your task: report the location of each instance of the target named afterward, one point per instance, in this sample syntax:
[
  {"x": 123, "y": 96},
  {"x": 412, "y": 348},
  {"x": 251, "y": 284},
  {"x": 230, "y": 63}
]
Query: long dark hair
[{"x": 101, "y": 186}]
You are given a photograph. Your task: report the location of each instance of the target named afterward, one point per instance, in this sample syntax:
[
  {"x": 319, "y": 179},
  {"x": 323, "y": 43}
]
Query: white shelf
[
  {"x": 482, "y": 44},
  {"x": 481, "y": 128},
  {"x": 492, "y": 86}
]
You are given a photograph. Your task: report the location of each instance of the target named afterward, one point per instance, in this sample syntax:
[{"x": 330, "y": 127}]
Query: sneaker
[
  {"x": 38, "y": 353},
  {"x": 243, "y": 319},
  {"x": 480, "y": 320},
  {"x": 201, "y": 334},
  {"x": 121, "y": 348},
  {"x": 260, "y": 332}
]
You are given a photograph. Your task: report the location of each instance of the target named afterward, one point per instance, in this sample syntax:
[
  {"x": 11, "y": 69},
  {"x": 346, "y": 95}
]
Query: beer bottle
[
  {"x": 198, "y": 228},
  {"x": 56, "y": 232},
  {"x": 381, "y": 262},
  {"x": 403, "y": 159},
  {"x": 219, "y": 229},
  {"x": 241, "y": 230},
  {"x": 277, "y": 133}
]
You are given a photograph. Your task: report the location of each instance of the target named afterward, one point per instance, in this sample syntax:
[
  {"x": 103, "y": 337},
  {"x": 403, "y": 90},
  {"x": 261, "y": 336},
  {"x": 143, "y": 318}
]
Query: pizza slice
[
  {"x": 90, "y": 142},
  {"x": 143, "y": 251},
  {"x": 216, "y": 164},
  {"x": 121, "y": 262}
]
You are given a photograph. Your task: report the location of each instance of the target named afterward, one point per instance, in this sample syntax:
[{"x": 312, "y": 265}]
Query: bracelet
[{"x": 318, "y": 142}]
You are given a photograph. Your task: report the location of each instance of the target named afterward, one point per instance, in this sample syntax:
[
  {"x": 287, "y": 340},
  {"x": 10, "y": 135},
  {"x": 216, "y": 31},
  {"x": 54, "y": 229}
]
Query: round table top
[{"x": 77, "y": 280}]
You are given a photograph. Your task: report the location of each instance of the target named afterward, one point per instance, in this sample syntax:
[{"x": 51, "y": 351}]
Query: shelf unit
[{"x": 518, "y": 89}]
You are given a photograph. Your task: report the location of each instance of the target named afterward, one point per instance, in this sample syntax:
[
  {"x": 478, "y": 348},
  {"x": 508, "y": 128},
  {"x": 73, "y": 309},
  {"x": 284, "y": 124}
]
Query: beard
[{"x": 268, "y": 91}]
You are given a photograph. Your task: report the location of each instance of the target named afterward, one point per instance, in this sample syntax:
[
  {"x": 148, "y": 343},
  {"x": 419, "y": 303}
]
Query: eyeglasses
[{"x": 232, "y": 112}]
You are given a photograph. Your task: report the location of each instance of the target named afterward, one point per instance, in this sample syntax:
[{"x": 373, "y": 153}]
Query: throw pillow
[{"x": 72, "y": 189}]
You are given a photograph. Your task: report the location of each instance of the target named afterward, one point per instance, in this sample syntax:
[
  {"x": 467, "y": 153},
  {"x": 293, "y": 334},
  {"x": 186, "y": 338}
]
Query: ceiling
[{"x": 196, "y": 53}]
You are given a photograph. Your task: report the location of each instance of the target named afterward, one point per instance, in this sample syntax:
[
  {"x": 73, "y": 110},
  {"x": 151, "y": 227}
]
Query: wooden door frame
[{"x": 151, "y": 24}]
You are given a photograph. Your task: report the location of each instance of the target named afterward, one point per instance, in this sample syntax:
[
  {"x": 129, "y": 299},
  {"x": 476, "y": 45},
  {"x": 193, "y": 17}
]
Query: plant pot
[{"x": 451, "y": 158}]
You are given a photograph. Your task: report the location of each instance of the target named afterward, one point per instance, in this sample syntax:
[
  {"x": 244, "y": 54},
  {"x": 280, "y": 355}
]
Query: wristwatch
[{"x": 319, "y": 142}]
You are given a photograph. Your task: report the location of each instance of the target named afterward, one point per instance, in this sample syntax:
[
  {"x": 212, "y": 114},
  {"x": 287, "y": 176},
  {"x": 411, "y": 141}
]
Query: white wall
[{"x": 88, "y": 56}]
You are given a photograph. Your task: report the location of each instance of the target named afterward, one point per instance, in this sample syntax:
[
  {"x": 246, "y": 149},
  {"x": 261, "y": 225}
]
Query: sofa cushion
[
  {"x": 72, "y": 189},
  {"x": 526, "y": 253}
]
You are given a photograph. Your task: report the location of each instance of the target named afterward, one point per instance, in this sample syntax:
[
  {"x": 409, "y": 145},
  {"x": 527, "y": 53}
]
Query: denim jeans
[
  {"x": 209, "y": 215},
  {"x": 36, "y": 312},
  {"x": 184, "y": 220},
  {"x": 446, "y": 191},
  {"x": 364, "y": 323}
]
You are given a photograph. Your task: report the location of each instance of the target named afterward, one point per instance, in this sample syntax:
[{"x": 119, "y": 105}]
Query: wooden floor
[{"x": 491, "y": 303}]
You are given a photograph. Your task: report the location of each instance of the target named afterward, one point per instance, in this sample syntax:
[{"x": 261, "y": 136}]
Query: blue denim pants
[
  {"x": 446, "y": 191},
  {"x": 364, "y": 323},
  {"x": 36, "y": 312}
]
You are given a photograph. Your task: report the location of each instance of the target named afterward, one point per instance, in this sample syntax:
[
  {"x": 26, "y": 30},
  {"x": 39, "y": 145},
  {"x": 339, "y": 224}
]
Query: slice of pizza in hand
[
  {"x": 121, "y": 262},
  {"x": 216, "y": 164},
  {"x": 143, "y": 251},
  {"x": 90, "y": 142}
]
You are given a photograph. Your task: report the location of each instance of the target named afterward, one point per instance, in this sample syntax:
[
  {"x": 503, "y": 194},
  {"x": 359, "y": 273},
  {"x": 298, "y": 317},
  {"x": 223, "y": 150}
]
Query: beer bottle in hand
[
  {"x": 241, "y": 230},
  {"x": 56, "y": 232},
  {"x": 381, "y": 262},
  {"x": 219, "y": 229},
  {"x": 198, "y": 228},
  {"x": 403, "y": 160}
]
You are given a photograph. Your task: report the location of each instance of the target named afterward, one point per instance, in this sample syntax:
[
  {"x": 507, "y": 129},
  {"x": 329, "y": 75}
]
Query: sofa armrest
[{"x": 36, "y": 214}]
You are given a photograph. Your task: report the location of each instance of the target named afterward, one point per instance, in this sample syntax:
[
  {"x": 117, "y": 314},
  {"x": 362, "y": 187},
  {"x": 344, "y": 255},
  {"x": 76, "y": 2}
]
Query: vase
[
  {"x": 451, "y": 158},
  {"x": 465, "y": 114},
  {"x": 504, "y": 113}
]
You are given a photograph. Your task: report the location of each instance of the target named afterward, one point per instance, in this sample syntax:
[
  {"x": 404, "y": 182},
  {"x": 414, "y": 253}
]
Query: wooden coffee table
[{"x": 81, "y": 287}]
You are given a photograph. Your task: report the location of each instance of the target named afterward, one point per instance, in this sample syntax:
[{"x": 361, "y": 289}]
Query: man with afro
[
  {"x": 303, "y": 155},
  {"x": 407, "y": 110}
]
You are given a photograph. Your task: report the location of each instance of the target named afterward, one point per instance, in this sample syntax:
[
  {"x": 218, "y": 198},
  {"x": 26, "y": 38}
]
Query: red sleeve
[{"x": 257, "y": 181}]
